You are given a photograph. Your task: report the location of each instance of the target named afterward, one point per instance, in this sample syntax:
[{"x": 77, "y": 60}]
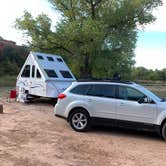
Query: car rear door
[{"x": 102, "y": 100}]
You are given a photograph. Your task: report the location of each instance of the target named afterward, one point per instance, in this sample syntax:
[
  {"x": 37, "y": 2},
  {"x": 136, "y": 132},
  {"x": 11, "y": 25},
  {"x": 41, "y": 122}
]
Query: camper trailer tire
[{"x": 26, "y": 94}]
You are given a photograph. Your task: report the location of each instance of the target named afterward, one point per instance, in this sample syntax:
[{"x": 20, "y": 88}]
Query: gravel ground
[{"x": 30, "y": 135}]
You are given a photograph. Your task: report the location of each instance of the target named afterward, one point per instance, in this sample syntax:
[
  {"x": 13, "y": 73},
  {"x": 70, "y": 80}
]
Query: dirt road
[{"x": 30, "y": 135}]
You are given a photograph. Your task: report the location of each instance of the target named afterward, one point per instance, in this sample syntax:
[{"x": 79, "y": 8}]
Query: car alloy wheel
[{"x": 79, "y": 121}]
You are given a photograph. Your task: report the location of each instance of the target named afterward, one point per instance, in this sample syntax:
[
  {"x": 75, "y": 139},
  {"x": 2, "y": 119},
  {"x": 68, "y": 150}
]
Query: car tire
[
  {"x": 163, "y": 131},
  {"x": 80, "y": 120}
]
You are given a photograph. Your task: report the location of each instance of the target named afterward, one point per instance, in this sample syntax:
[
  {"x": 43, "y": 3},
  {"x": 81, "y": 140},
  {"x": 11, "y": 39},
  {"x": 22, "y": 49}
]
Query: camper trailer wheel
[{"x": 26, "y": 93}]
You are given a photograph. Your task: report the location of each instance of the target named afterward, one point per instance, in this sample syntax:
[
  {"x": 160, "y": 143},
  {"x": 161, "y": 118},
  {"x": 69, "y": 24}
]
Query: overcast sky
[{"x": 151, "y": 45}]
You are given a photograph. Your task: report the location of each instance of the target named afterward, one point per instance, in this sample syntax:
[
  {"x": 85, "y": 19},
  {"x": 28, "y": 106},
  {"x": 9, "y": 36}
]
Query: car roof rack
[{"x": 105, "y": 80}]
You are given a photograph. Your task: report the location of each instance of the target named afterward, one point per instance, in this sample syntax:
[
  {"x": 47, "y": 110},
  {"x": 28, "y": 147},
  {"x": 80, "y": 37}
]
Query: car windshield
[{"x": 151, "y": 94}]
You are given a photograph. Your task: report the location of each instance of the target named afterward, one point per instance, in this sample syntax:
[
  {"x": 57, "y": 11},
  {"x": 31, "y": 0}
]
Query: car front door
[
  {"x": 129, "y": 109},
  {"x": 102, "y": 100}
]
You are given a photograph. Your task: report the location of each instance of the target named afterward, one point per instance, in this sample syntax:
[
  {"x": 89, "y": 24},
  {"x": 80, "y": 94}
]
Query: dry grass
[
  {"x": 4, "y": 91},
  {"x": 160, "y": 90}
]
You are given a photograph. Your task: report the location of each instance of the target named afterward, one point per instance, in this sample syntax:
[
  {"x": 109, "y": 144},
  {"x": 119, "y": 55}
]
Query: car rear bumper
[
  {"x": 59, "y": 110},
  {"x": 62, "y": 117}
]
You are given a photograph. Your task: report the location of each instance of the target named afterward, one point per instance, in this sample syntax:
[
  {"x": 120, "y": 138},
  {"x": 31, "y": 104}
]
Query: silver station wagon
[{"x": 118, "y": 103}]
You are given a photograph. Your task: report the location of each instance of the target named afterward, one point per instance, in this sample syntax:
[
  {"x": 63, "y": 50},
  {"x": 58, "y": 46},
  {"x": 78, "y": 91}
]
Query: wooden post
[{"x": 1, "y": 109}]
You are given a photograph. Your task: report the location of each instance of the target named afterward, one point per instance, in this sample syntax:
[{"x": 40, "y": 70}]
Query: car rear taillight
[{"x": 61, "y": 96}]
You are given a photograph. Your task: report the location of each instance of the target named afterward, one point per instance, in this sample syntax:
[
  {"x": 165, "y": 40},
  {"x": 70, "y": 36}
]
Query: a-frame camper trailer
[{"x": 43, "y": 75}]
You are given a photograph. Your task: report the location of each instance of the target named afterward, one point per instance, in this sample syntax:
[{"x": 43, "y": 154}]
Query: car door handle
[
  {"x": 89, "y": 100},
  {"x": 122, "y": 104}
]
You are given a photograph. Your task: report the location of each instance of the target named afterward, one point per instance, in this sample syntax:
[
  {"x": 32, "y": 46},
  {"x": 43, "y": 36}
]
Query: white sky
[
  {"x": 160, "y": 24},
  {"x": 148, "y": 56},
  {"x": 12, "y": 9},
  {"x": 153, "y": 56}
]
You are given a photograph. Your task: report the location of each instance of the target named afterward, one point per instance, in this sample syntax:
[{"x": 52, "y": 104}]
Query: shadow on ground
[
  {"x": 118, "y": 131},
  {"x": 42, "y": 101}
]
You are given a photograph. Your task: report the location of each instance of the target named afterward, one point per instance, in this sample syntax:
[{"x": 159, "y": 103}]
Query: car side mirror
[
  {"x": 141, "y": 100},
  {"x": 145, "y": 99}
]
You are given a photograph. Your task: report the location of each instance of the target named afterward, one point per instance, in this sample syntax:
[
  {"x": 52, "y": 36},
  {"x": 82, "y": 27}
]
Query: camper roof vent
[
  {"x": 59, "y": 60},
  {"x": 50, "y": 58},
  {"x": 40, "y": 57}
]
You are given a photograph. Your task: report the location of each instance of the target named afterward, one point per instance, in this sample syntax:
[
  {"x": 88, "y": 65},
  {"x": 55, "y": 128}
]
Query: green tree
[
  {"x": 160, "y": 74},
  {"x": 12, "y": 59},
  {"x": 141, "y": 73},
  {"x": 96, "y": 37}
]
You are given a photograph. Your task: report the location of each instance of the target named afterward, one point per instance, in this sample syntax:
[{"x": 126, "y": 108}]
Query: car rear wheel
[
  {"x": 163, "y": 131},
  {"x": 80, "y": 120}
]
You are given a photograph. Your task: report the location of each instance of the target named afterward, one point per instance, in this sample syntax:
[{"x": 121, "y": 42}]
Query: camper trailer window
[
  {"x": 26, "y": 71},
  {"x": 38, "y": 75},
  {"x": 66, "y": 74},
  {"x": 33, "y": 71},
  {"x": 50, "y": 58},
  {"x": 40, "y": 57},
  {"x": 59, "y": 60},
  {"x": 51, "y": 73}
]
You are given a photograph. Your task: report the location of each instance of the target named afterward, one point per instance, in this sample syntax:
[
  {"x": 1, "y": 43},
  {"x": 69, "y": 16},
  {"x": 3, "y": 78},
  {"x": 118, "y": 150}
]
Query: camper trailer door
[{"x": 38, "y": 86}]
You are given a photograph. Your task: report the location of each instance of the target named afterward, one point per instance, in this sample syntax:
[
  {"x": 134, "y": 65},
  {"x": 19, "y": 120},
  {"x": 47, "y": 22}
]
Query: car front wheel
[
  {"x": 163, "y": 131},
  {"x": 80, "y": 120}
]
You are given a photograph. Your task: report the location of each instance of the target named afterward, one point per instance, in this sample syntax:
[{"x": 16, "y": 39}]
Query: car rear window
[{"x": 80, "y": 89}]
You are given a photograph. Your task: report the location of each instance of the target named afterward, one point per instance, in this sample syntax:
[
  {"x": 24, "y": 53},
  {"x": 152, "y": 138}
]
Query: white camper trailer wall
[{"x": 43, "y": 75}]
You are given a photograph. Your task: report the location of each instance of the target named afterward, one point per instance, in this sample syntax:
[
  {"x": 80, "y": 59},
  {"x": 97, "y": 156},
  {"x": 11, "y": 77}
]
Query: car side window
[
  {"x": 102, "y": 90},
  {"x": 109, "y": 91},
  {"x": 134, "y": 94},
  {"x": 127, "y": 93},
  {"x": 80, "y": 89}
]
